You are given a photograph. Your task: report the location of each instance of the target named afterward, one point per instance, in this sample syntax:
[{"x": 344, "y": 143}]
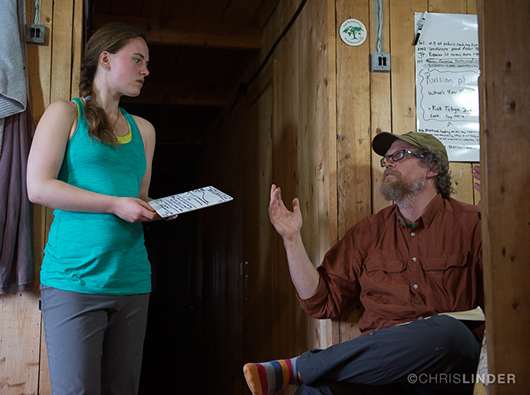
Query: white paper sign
[
  {"x": 447, "y": 72},
  {"x": 189, "y": 201}
]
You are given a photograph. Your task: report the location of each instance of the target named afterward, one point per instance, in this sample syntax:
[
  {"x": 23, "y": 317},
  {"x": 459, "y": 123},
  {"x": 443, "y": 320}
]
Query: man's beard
[{"x": 401, "y": 191}]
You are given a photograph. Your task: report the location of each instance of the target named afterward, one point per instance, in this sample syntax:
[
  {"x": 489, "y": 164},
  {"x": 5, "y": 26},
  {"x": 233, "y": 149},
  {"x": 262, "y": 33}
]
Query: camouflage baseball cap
[{"x": 384, "y": 140}]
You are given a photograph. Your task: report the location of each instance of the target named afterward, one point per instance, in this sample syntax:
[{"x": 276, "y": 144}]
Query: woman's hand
[{"x": 134, "y": 210}]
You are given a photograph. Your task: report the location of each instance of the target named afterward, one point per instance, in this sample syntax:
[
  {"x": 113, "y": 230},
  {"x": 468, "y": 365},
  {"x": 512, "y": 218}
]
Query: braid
[
  {"x": 96, "y": 118},
  {"x": 111, "y": 37}
]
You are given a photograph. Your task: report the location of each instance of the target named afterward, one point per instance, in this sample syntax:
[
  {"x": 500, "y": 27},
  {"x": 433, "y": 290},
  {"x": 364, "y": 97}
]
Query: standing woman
[{"x": 91, "y": 162}]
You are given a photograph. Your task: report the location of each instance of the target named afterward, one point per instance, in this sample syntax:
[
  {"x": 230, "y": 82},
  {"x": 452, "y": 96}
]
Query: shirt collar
[
  {"x": 427, "y": 217},
  {"x": 432, "y": 208}
]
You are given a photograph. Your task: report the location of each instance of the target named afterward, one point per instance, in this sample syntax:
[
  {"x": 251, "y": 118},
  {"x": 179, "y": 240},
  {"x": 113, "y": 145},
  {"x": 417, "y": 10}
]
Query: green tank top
[{"x": 99, "y": 253}]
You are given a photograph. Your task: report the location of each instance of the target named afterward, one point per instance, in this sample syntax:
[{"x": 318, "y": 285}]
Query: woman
[{"x": 91, "y": 162}]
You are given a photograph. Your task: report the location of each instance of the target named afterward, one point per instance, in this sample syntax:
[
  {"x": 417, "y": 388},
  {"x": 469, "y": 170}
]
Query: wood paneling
[
  {"x": 360, "y": 104},
  {"x": 505, "y": 186},
  {"x": 23, "y": 363},
  {"x": 380, "y": 104},
  {"x": 19, "y": 344},
  {"x": 306, "y": 124},
  {"x": 353, "y": 140}
]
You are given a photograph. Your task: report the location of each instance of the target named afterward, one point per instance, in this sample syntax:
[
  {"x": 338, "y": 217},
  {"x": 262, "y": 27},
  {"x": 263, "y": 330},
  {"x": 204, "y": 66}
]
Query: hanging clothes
[
  {"x": 13, "y": 87},
  {"x": 16, "y": 258},
  {"x": 16, "y": 132}
]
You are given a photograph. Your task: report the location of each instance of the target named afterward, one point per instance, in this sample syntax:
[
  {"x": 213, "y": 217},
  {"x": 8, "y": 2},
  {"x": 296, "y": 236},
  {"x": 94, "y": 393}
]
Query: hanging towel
[
  {"x": 13, "y": 91},
  {"x": 16, "y": 258}
]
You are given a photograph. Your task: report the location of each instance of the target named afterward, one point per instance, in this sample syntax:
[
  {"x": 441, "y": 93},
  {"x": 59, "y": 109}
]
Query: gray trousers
[
  {"x": 94, "y": 342},
  {"x": 438, "y": 355}
]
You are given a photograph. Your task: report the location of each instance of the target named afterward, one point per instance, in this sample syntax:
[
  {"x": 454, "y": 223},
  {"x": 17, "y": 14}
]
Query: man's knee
[{"x": 452, "y": 338}]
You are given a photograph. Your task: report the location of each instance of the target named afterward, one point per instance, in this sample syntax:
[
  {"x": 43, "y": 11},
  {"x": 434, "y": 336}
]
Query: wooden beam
[
  {"x": 187, "y": 33},
  {"x": 353, "y": 145},
  {"x": 505, "y": 187}
]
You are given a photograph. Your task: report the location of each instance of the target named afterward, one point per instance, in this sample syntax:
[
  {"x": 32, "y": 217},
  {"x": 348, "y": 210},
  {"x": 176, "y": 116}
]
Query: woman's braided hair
[{"x": 111, "y": 38}]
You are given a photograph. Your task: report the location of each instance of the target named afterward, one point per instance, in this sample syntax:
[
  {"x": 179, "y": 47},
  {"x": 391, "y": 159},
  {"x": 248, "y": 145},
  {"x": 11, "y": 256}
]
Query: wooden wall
[
  {"x": 23, "y": 363},
  {"x": 390, "y": 101},
  {"x": 505, "y": 144},
  {"x": 306, "y": 125}
]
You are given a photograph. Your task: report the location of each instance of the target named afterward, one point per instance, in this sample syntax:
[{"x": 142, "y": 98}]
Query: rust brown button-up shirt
[{"x": 401, "y": 274}]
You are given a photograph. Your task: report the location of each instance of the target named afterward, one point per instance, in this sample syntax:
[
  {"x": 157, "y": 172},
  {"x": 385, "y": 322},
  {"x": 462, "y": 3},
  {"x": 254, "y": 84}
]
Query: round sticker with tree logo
[{"x": 353, "y": 32}]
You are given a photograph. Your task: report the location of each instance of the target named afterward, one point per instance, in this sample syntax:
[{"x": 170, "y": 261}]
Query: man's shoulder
[
  {"x": 458, "y": 206},
  {"x": 382, "y": 216}
]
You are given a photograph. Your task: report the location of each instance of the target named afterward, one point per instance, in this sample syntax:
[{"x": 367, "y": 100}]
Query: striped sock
[{"x": 268, "y": 378}]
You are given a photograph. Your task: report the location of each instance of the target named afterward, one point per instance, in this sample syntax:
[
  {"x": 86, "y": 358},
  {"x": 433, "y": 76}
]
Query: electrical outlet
[
  {"x": 379, "y": 62},
  {"x": 35, "y": 34}
]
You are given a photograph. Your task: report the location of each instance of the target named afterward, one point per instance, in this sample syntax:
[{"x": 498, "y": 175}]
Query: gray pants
[
  {"x": 94, "y": 342},
  {"x": 438, "y": 355}
]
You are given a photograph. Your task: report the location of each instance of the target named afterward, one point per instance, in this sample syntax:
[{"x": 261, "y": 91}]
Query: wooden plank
[
  {"x": 39, "y": 63},
  {"x": 353, "y": 124},
  {"x": 20, "y": 317},
  {"x": 61, "y": 71},
  {"x": 380, "y": 104},
  {"x": 288, "y": 172},
  {"x": 403, "y": 63},
  {"x": 471, "y": 7},
  {"x": 182, "y": 9},
  {"x": 462, "y": 181},
  {"x": 210, "y": 11},
  {"x": 191, "y": 33},
  {"x": 330, "y": 81},
  {"x": 448, "y": 6},
  {"x": 77, "y": 46},
  {"x": 19, "y": 343},
  {"x": 505, "y": 181},
  {"x": 319, "y": 134},
  {"x": 353, "y": 136},
  {"x": 259, "y": 263},
  {"x": 264, "y": 12},
  {"x": 240, "y": 11}
]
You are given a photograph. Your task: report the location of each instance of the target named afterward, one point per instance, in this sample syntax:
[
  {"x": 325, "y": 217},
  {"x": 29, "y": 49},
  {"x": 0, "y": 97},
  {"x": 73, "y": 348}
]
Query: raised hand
[{"x": 287, "y": 223}]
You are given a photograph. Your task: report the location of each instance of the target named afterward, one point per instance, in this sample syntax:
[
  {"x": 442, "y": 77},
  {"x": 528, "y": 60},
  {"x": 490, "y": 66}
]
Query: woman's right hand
[{"x": 134, "y": 210}]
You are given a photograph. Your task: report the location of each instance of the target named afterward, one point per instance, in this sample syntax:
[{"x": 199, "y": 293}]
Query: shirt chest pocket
[
  {"x": 382, "y": 270},
  {"x": 442, "y": 264},
  {"x": 446, "y": 273}
]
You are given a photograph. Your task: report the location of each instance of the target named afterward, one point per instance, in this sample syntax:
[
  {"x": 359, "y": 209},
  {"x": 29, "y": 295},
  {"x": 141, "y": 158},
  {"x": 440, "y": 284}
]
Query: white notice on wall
[
  {"x": 447, "y": 71},
  {"x": 189, "y": 201}
]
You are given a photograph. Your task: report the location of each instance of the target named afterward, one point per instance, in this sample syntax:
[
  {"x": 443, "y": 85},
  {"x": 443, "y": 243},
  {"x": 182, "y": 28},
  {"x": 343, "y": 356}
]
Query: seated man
[{"x": 406, "y": 264}]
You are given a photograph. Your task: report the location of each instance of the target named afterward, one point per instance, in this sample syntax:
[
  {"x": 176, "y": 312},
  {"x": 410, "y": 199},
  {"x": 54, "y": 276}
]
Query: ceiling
[{"x": 198, "y": 52}]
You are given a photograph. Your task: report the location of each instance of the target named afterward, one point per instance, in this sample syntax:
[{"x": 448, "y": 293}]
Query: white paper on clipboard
[{"x": 189, "y": 201}]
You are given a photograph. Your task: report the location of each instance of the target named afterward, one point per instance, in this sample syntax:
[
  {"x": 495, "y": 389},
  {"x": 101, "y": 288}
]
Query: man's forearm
[{"x": 304, "y": 275}]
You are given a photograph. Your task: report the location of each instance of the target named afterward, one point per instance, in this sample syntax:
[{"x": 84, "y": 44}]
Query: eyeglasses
[{"x": 399, "y": 155}]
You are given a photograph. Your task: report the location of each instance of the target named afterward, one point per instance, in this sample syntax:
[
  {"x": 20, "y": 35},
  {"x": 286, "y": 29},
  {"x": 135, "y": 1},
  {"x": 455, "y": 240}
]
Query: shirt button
[
  {"x": 413, "y": 234},
  {"x": 415, "y": 286},
  {"x": 414, "y": 259}
]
